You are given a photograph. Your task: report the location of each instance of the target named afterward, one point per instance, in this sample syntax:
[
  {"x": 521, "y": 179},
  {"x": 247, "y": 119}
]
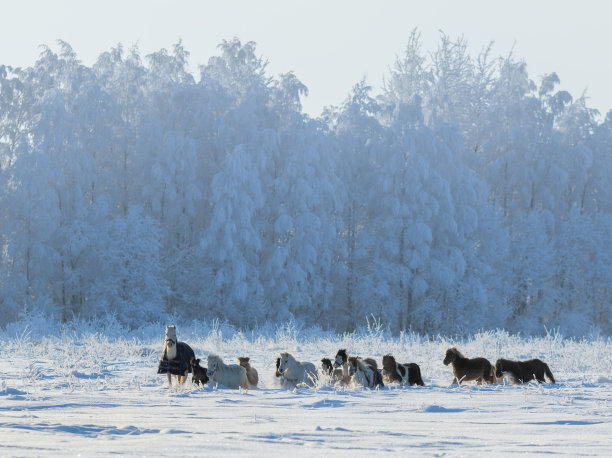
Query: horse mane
[
  {"x": 289, "y": 356},
  {"x": 456, "y": 352},
  {"x": 358, "y": 362},
  {"x": 327, "y": 367},
  {"x": 395, "y": 371}
]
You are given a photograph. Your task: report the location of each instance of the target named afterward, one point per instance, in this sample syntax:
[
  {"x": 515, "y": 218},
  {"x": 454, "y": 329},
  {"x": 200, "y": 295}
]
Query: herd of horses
[{"x": 179, "y": 359}]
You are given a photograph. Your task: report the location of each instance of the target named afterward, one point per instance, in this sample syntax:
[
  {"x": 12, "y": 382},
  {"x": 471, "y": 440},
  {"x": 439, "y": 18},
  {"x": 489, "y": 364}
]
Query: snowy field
[{"x": 97, "y": 393}]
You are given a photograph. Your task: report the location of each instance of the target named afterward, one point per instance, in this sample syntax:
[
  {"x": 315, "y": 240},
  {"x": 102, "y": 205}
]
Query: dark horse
[
  {"x": 405, "y": 374},
  {"x": 176, "y": 357},
  {"x": 199, "y": 373},
  {"x": 465, "y": 369},
  {"x": 278, "y": 373},
  {"x": 328, "y": 369},
  {"x": 524, "y": 371}
]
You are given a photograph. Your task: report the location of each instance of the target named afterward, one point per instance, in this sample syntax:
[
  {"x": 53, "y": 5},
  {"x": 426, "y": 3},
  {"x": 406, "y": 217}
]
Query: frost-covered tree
[
  {"x": 231, "y": 244},
  {"x": 31, "y": 255},
  {"x": 433, "y": 257},
  {"x": 130, "y": 280},
  {"x": 124, "y": 78},
  {"x": 300, "y": 222},
  {"x": 532, "y": 300},
  {"x": 410, "y": 75},
  {"x": 55, "y": 141},
  {"x": 598, "y": 192},
  {"x": 359, "y": 137}
]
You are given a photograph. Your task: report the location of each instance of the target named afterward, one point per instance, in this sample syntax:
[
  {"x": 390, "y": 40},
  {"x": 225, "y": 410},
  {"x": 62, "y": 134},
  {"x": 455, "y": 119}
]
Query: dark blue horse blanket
[{"x": 178, "y": 365}]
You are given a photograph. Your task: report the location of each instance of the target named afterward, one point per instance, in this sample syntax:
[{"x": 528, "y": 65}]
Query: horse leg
[
  {"x": 184, "y": 377},
  {"x": 169, "y": 375}
]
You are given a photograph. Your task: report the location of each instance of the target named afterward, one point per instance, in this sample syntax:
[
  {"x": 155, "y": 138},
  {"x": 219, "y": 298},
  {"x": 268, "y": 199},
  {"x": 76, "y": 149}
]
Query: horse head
[
  {"x": 389, "y": 364},
  {"x": 452, "y": 354},
  {"x": 341, "y": 358},
  {"x": 286, "y": 362},
  {"x": 213, "y": 364}
]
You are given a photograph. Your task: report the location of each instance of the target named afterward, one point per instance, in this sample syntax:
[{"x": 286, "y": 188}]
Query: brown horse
[
  {"x": 199, "y": 373},
  {"x": 252, "y": 374},
  {"x": 465, "y": 369},
  {"x": 523, "y": 371}
]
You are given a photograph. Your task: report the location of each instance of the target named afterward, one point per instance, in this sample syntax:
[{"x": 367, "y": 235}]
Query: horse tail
[
  {"x": 371, "y": 362},
  {"x": 548, "y": 373},
  {"x": 492, "y": 374},
  {"x": 418, "y": 379},
  {"x": 378, "y": 381}
]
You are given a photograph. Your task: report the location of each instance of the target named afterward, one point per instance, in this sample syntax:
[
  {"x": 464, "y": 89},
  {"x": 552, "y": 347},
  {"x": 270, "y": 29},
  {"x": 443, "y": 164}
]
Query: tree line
[{"x": 461, "y": 195}]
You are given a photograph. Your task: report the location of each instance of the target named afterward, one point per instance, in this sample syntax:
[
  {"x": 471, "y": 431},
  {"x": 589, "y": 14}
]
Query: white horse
[
  {"x": 231, "y": 376},
  {"x": 293, "y": 372},
  {"x": 363, "y": 373}
]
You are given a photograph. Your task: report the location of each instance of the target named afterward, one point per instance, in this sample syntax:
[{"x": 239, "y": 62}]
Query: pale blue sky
[{"x": 330, "y": 45}]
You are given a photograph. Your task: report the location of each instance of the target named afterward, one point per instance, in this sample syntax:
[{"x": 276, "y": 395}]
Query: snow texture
[{"x": 92, "y": 394}]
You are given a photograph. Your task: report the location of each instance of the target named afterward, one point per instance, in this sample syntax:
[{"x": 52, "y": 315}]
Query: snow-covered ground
[{"x": 95, "y": 393}]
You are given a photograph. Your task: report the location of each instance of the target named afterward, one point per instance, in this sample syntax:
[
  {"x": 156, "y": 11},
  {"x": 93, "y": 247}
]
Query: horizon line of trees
[{"x": 462, "y": 195}]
